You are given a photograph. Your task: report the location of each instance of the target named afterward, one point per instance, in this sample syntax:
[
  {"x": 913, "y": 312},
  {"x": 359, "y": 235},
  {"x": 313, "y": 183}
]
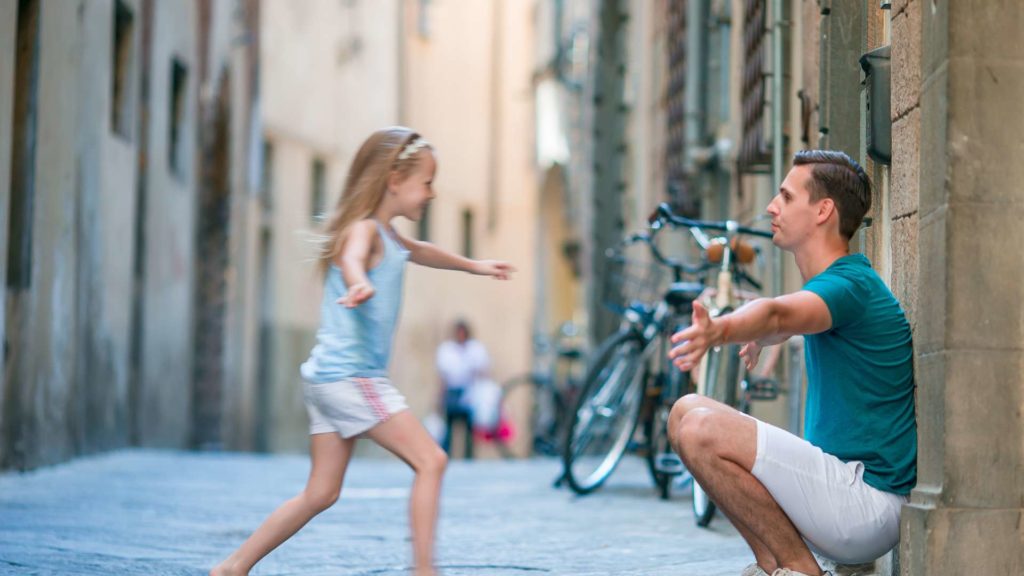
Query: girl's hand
[
  {"x": 750, "y": 353},
  {"x": 357, "y": 294},
  {"x": 496, "y": 268}
]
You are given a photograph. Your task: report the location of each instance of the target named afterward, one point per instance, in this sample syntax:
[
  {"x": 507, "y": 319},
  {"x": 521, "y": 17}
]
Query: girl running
[{"x": 347, "y": 390}]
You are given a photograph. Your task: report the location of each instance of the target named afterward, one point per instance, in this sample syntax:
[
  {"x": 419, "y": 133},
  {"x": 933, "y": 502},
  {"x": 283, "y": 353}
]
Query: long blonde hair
[{"x": 365, "y": 186}]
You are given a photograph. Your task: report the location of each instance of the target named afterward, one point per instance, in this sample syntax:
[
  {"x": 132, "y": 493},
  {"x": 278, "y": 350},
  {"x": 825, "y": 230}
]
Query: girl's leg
[
  {"x": 330, "y": 454},
  {"x": 406, "y": 438}
]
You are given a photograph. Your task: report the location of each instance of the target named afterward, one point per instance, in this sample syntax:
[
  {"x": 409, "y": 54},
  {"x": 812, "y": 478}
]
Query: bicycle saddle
[{"x": 681, "y": 294}]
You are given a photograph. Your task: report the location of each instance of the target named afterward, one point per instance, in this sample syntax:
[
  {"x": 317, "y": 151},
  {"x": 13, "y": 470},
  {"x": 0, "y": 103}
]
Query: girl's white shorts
[
  {"x": 351, "y": 406},
  {"x": 837, "y": 513}
]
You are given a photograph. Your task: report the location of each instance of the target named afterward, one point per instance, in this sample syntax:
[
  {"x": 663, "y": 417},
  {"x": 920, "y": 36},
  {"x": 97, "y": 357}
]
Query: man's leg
[
  {"x": 468, "y": 417},
  {"x": 719, "y": 446},
  {"x": 762, "y": 555},
  {"x": 449, "y": 425}
]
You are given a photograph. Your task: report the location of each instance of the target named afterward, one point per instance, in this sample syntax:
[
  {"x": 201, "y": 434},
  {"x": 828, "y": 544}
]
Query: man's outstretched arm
[{"x": 765, "y": 321}]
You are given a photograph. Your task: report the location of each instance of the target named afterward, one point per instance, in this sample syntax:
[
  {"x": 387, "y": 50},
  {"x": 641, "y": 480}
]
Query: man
[
  {"x": 839, "y": 491},
  {"x": 461, "y": 362}
]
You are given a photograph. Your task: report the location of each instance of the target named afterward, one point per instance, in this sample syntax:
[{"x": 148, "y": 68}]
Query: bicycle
[
  {"x": 539, "y": 400},
  {"x": 720, "y": 375},
  {"x": 608, "y": 410}
]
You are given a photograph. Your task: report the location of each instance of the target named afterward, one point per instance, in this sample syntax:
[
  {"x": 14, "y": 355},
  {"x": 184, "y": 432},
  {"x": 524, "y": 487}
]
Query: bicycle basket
[{"x": 631, "y": 277}]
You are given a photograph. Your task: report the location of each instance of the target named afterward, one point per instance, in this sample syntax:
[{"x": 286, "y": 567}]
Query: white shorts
[
  {"x": 836, "y": 512},
  {"x": 351, "y": 406}
]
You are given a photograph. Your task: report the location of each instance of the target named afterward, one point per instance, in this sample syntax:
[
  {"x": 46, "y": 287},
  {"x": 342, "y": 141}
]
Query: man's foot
[{"x": 753, "y": 570}]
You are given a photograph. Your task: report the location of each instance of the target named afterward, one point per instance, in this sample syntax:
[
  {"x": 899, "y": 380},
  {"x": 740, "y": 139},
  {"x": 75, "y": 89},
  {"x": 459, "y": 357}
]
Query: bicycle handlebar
[
  {"x": 664, "y": 214},
  {"x": 661, "y": 258}
]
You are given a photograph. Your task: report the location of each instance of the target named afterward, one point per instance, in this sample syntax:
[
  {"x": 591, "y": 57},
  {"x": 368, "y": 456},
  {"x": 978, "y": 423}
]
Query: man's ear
[{"x": 826, "y": 207}]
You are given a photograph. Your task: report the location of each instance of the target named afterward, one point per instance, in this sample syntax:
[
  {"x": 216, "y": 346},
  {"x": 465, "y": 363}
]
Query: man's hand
[
  {"x": 751, "y": 353},
  {"x": 694, "y": 340},
  {"x": 496, "y": 268},
  {"x": 357, "y": 294}
]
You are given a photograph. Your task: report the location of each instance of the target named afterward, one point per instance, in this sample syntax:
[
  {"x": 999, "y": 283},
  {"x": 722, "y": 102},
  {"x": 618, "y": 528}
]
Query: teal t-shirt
[{"x": 860, "y": 372}]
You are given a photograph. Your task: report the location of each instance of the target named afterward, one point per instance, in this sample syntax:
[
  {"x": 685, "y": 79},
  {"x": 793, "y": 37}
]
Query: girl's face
[{"x": 414, "y": 193}]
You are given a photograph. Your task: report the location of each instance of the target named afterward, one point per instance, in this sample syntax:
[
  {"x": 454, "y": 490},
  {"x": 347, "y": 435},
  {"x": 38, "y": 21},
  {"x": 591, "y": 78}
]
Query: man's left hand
[{"x": 750, "y": 353}]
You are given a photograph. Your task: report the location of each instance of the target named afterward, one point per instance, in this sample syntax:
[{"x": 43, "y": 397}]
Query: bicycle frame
[
  {"x": 619, "y": 376},
  {"x": 726, "y": 299}
]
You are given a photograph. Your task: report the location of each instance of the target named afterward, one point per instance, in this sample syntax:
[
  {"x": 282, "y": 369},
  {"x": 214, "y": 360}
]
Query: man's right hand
[{"x": 693, "y": 341}]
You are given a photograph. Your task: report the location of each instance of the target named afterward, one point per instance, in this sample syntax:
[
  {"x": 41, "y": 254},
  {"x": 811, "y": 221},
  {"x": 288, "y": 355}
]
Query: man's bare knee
[
  {"x": 690, "y": 402},
  {"x": 699, "y": 431},
  {"x": 681, "y": 407}
]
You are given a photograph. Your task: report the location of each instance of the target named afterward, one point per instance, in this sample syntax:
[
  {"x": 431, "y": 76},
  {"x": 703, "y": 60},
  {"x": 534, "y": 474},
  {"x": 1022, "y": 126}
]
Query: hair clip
[{"x": 412, "y": 148}]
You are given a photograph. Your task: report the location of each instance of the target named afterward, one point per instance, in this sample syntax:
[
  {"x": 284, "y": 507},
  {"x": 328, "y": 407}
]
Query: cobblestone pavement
[{"x": 159, "y": 512}]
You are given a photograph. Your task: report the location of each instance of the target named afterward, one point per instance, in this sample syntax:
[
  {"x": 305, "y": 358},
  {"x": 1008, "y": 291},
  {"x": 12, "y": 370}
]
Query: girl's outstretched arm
[
  {"x": 427, "y": 254},
  {"x": 355, "y": 259}
]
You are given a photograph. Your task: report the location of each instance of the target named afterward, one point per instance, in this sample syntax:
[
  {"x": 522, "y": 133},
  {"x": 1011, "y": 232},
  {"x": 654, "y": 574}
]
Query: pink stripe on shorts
[{"x": 351, "y": 406}]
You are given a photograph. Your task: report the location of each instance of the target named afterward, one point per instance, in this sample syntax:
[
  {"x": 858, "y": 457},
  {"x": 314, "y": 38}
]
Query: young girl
[{"x": 347, "y": 390}]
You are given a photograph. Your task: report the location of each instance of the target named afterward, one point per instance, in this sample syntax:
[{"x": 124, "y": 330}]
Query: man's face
[{"x": 794, "y": 216}]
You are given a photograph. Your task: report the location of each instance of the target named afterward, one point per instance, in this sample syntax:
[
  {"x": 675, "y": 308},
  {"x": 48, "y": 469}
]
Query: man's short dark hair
[{"x": 837, "y": 176}]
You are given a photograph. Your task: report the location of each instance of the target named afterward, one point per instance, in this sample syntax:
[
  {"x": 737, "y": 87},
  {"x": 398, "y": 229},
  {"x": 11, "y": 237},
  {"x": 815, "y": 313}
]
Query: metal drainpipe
[
  {"x": 695, "y": 102},
  {"x": 725, "y": 34},
  {"x": 778, "y": 25},
  {"x": 559, "y": 45},
  {"x": 777, "y": 110},
  {"x": 724, "y": 23}
]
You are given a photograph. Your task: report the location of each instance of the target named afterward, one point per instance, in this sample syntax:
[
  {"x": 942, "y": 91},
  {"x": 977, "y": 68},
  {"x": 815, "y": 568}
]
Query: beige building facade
[
  {"x": 119, "y": 120},
  {"x": 455, "y": 73},
  {"x": 467, "y": 87},
  {"x": 329, "y": 78}
]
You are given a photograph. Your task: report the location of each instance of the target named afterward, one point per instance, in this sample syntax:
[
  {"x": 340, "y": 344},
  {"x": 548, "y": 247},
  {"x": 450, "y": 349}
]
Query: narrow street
[{"x": 160, "y": 512}]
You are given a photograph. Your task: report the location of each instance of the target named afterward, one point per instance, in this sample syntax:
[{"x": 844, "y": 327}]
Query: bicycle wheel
[
  {"x": 606, "y": 413},
  {"x": 703, "y": 508},
  {"x": 719, "y": 382},
  {"x": 656, "y": 432},
  {"x": 533, "y": 408},
  {"x": 515, "y": 409},
  {"x": 662, "y": 461},
  {"x": 547, "y": 411}
]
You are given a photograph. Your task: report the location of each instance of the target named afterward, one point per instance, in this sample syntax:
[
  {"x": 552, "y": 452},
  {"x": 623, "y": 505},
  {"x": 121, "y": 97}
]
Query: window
[
  {"x": 423, "y": 226},
  {"x": 467, "y": 233},
  {"x": 755, "y": 152},
  {"x": 23, "y": 145},
  {"x": 176, "y": 119},
  {"x": 423, "y": 19},
  {"x": 318, "y": 189},
  {"x": 680, "y": 195},
  {"x": 121, "y": 66},
  {"x": 267, "y": 176}
]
